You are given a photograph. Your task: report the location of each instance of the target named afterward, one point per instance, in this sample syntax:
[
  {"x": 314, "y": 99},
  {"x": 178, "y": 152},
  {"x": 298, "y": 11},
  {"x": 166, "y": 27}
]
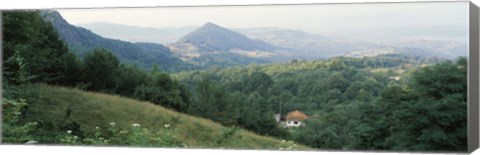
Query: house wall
[{"x": 291, "y": 123}]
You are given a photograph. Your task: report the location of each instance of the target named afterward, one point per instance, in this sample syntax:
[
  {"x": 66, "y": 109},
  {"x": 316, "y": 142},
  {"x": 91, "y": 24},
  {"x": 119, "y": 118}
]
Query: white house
[{"x": 295, "y": 119}]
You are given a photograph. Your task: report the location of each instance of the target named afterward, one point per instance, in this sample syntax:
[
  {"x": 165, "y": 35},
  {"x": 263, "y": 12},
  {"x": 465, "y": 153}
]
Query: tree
[
  {"x": 162, "y": 90},
  {"x": 258, "y": 81},
  {"x": 100, "y": 70},
  {"x": 258, "y": 117},
  {"x": 208, "y": 98},
  {"x": 33, "y": 51},
  {"x": 336, "y": 64},
  {"x": 335, "y": 81},
  {"x": 432, "y": 114},
  {"x": 129, "y": 78}
]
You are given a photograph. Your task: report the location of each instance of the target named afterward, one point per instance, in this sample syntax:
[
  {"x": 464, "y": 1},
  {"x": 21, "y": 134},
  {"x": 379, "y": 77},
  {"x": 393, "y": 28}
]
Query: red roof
[{"x": 296, "y": 115}]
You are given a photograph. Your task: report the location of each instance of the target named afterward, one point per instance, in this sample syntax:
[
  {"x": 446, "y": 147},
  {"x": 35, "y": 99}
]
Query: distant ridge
[{"x": 137, "y": 33}]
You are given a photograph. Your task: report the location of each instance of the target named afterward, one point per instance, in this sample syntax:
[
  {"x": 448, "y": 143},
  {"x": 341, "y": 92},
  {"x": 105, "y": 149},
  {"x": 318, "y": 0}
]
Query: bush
[{"x": 13, "y": 130}]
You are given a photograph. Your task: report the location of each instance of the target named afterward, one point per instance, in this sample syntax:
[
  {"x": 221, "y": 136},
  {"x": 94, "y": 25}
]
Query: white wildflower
[
  {"x": 166, "y": 125},
  {"x": 31, "y": 142},
  {"x": 136, "y": 125},
  {"x": 112, "y": 123},
  {"x": 98, "y": 128},
  {"x": 69, "y": 131}
]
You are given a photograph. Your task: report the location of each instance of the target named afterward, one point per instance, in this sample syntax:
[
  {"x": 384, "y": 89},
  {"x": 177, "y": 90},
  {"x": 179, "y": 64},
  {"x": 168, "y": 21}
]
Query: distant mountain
[
  {"x": 303, "y": 45},
  {"x": 213, "y": 45},
  {"x": 445, "y": 32},
  {"x": 81, "y": 41},
  {"x": 211, "y": 37},
  {"x": 139, "y": 34},
  {"x": 278, "y": 36},
  {"x": 300, "y": 44},
  {"x": 429, "y": 47}
]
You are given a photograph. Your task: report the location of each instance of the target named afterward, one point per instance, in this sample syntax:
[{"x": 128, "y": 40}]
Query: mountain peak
[
  {"x": 208, "y": 24},
  {"x": 52, "y": 16},
  {"x": 212, "y": 37},
  {"x": 211, "y": 26}
]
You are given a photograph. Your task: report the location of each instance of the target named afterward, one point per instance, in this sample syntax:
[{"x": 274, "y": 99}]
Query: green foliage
[
  {"x": 437, "y": 118},
  {"x": 226, "y": 134},
  {"x": 424, "y": 114},
  {"x": 101, "y": 69},
  {"x": 13, "y": 129},
  {"x": 33, "y": 51},
  {"x": 359, "y": 107},
  {"x": 129, "y": 78},
  {"x": 257, "y": 81},
  {"x": 209, "y": 98},
  {"x": 71, "y": 116}
]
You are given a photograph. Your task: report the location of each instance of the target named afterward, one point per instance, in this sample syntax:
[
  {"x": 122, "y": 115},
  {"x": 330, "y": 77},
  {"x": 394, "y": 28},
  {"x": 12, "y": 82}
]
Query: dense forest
[{"x": 386, "y": 102}]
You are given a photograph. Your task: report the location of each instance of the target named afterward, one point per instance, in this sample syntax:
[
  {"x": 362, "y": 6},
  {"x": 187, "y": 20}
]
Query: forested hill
[
  {"x": 384, "y": 62},
  {"x": 82, "y": 41},
  {"x": 387, "y": 102}
]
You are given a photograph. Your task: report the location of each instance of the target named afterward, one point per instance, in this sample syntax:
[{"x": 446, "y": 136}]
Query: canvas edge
[
  {"x": 473, "y": 79},
  {"x": 473, "y": 94},
  {"x": 1, "y": 77}
]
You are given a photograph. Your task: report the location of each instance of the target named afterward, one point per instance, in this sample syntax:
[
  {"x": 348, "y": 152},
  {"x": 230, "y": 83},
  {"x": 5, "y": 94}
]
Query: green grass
[{"x": 57, "y": 106}]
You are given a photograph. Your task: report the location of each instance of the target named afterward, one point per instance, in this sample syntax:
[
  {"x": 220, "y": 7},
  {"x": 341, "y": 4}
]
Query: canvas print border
[{"x": 472, "y": 141}]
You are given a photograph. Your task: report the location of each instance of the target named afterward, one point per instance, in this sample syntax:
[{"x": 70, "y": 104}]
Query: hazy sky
[{"x": 320, "y": 18}]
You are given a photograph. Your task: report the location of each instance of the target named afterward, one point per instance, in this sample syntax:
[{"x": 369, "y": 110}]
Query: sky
[{"x": 319, "y": 18}]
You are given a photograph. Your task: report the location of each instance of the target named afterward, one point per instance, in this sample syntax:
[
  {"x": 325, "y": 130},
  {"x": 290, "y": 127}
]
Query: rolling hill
[{"x": 57, "y": 108}]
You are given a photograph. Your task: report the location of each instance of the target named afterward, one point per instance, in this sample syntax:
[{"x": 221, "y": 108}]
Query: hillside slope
[
  {"x": 58, "y": 109},
  {"x": 81, "y": 41}
]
